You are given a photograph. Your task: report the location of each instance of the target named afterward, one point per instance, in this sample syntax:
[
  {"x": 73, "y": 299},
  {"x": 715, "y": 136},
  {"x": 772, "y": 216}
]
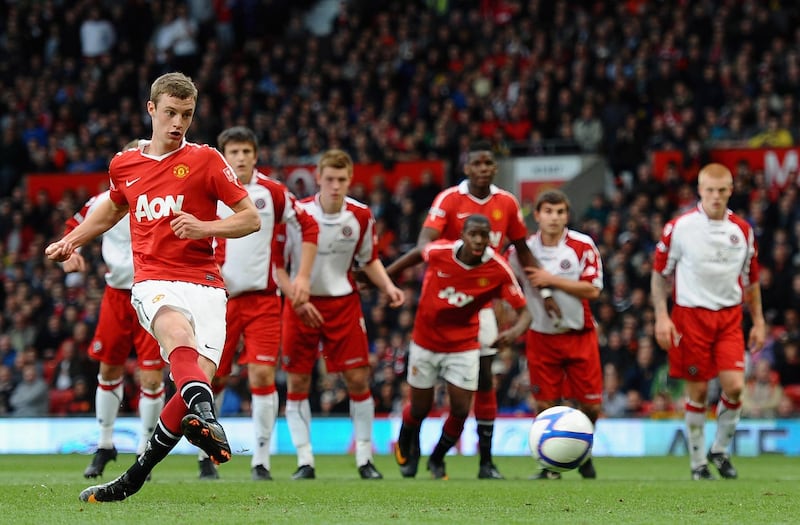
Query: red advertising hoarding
[
  {"x": 92, "y": 183},
  {"x": 780, "y": 165}
]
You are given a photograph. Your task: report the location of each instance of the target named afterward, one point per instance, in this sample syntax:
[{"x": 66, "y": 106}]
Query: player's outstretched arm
[
  {"x": 414, "y": 255},
  {"x": 541, "y": 278},
  {"x": 527, "y": 260},
  {"x": 106, "y": 215}
]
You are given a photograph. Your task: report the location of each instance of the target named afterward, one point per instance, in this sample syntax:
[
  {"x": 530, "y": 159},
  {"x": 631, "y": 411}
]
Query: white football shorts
[
  {"x": 203, "y": 306},
  {"x": 457, "y": 368}
]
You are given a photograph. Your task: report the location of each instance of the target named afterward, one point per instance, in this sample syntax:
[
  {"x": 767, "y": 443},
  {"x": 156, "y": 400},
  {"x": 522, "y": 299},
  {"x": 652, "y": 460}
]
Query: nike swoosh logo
[
  {"x": 462, "y": 215},
  {"x": 210, "y": 347},
  {"x": 442, "y": 274},
  {"x": 129, "y": 183}
]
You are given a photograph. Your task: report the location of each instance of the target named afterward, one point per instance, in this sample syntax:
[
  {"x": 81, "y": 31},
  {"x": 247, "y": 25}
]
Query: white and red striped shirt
[
  {"x": 713, "y": 260},
  {"x": 247, "y": 262},
  {"x": 576, "y": 258},
  {"x": 344, "y": 237}
]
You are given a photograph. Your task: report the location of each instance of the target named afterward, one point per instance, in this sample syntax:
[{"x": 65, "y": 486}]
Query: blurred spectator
[
  {"x": 6, "y": 388},
  {"x": 772, "y": 136},
  {"x": 587, "y": 130},
  {"x": 82, "y": 402},
  {"x": 640, "y": 376},
  {"x": 615, "y": 402},
  {"x": 30, "y": 396},
  {"x": 787, "y": 362},
  {"x": 98, "y": 35},
  {"x": 762, "y": 392}
]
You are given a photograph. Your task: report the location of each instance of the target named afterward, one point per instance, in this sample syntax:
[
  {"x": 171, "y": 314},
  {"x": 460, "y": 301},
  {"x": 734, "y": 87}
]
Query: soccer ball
[{"x": 561, "y": 438}]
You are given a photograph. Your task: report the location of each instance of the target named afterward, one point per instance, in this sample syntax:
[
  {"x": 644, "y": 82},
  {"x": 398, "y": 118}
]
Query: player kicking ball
[{"x": 461, "y": 278}]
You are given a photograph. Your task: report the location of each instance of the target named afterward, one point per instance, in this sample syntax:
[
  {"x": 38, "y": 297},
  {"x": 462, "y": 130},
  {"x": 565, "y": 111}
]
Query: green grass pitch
[{"x": 40, "y": 490}]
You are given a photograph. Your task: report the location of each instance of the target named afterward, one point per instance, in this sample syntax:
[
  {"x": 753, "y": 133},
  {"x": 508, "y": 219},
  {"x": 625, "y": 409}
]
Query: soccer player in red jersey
[
  {"x": 445, "y": 220},
  {"x": 169, "y": 188},
  {"x": 713, "y": 256},
  {"x": 461, "y": 279},
  {"x": 564, "y": 356},
  {"x": 332, "y": 318},
  {"x": 254, "y": 306},
  {"x": 118, "y": 331}
]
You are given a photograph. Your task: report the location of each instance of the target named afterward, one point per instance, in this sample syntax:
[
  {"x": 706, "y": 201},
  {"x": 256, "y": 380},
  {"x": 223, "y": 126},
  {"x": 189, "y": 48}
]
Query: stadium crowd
[{"x": 399, "y": 81}]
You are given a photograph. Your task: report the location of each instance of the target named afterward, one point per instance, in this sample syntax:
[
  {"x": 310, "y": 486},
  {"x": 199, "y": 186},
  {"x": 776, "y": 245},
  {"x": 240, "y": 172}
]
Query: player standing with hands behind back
[
  {"x": 479, "y": 195},
  {"x": 170, "y": 188},
  {"x": 330, "y": 325},
  {"x": 714, "y": 258}
]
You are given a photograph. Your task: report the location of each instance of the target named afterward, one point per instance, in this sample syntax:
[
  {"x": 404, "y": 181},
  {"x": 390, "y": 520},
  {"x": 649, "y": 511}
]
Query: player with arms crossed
[
  {"x": 713, "y": 256},
  {"x": 461, "y": 279},
  {"x": 332, "y": 317},
  {"x": 564, "y": 357},
  {"x": 170, "y": 188},
  {"x": 118, "y": 331},
  {"x": 254, "y": 306},
  {"x": 445, "y": 220}
]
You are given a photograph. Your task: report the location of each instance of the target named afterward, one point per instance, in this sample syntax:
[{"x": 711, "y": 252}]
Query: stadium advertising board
[
  {"x": 300, "y": 178},
  {"x": 613, "y": 437},
  {"x": 537, "y": 174},
  {"x": 779, "y": 164}
]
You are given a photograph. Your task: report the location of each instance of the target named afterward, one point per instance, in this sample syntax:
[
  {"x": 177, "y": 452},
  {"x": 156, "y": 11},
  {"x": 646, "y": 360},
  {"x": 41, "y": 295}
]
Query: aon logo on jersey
[
  {"x": 150, "y": 209},
  {"x": 454, "y": 297}
]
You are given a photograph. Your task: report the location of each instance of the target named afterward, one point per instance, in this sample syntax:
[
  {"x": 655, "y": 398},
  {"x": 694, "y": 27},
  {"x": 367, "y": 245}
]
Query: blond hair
[
  {"x": 175, "y": 85},
  {"x": 335, "y": 158}
]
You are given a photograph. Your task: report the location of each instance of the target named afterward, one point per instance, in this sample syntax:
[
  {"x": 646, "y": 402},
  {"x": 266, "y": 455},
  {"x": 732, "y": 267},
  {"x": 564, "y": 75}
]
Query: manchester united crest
[{"x": 181, "y": 171}]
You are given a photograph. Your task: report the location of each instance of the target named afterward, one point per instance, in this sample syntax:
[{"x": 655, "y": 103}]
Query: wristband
[{"x": 546, "y": 293}]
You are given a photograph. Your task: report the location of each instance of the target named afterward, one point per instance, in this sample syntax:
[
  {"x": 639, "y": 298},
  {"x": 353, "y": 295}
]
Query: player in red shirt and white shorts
[
  {"x": 332, "y": 318},
  {"x": 713, "y": 257},
  {"x": 169, "y": 188},
  {"x": 118, "y": 332},
  {"x": 563, "y": 355},
  {"x": 478, "y": 195},
  {"x": 461, "y": 278}
]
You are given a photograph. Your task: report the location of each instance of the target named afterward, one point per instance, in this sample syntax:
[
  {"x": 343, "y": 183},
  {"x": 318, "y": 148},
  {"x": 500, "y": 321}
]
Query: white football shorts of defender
[
  {"x": 457, "y": 368},
  {"x": 203, "y": 306}
]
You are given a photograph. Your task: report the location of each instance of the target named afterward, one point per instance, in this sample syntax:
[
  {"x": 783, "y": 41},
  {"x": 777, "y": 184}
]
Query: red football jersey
[
  {"x": 190, "y": 179},
  {"x": 452, "y": 207},
  {"x": 452, "y": 294}
]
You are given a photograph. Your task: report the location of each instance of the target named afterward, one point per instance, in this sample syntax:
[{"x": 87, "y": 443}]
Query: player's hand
[
  {"x": 301, "y": 290},
  {"x": 309, "y": 314},
  {"x": 667, "y": 335},
  {"x": 396, "y": 296},
  {"x": 505, "y": 339},
  {"x": 541, "y": 278},
  {"x": 75, "y": 263},
  {"x": 758, "y": 335},
  {"x": 187, "y": 226},
  {"x": 59, "y": 251}
]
